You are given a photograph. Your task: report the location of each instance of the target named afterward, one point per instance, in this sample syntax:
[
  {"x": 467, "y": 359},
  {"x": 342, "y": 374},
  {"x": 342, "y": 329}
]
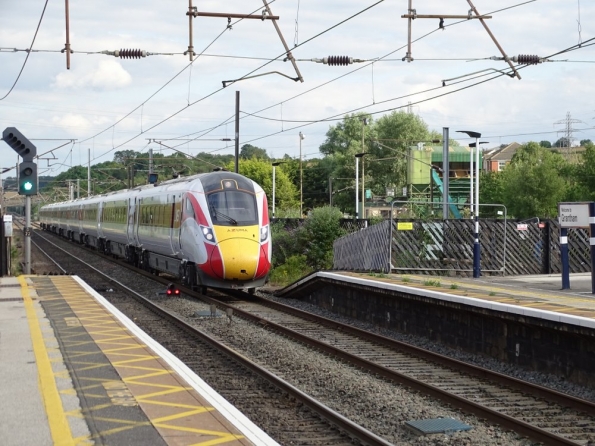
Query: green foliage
[
  {"x": 261, "y": 171},
  {"x": 432, "y": 282},
  {"x": 248, "y": 151},
  {"x": 15, "y": 264},
  {"x": 546, "y": 144},
  {"x": 533, "y": 185},
  {"x": 317, "y": 235},
  {"x": 584, "y": 174},
  {"x": 284, "y": 243},
  {"x": 311, "y": 241},
  {"x": 491, "y": 191},
  {"x": 375, "y": 219},
  {"x": 294, "y": 269},
  {"x": 387, "y": 139}
]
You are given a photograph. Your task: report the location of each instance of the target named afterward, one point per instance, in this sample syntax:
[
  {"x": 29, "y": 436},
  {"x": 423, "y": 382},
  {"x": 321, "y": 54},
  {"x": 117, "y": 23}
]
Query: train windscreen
[{"x": 232, "y": 207}]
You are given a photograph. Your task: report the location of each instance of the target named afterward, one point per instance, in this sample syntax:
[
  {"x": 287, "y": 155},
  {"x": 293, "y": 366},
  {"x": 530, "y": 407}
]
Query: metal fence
[{"x": 446, "y": 247}]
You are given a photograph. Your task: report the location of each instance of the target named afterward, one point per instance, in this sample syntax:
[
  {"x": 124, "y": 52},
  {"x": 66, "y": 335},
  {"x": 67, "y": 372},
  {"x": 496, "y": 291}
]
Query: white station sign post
[{"x": 576, "y": 215}]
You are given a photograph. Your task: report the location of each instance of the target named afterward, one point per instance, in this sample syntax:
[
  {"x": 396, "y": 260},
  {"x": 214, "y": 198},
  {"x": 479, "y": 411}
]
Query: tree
[
  {"x": 318, "y": 234},
  {"x": 533, "y": 185},
  {"x": 124, "y": 156},
  {"x": 546, "y": 144},
  {"x": 562, "y": 142},
  {"x": 586, "y": 143},
  {"x": 262, "y": 172},
  {"x": 397, "y": 132},
  {"x": 386, "y": 140},
  {"x": 585, "y": 175},
  {"x": 491, "y": 191},
  {"x": 249, "y": 151}
]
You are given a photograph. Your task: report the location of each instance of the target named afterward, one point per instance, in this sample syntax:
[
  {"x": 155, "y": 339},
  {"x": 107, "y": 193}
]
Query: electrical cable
[
  {"x": 28, "y": 53},
  {"x": 218, "y": 90}
]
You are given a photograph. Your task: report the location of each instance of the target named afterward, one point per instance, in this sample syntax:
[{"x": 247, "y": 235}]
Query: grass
[
  {"x": 373, "y": 274},
  {"x": 435, "y": 283},
  {"x": 15, "y": 257},
  {"x": 405, "y": 279},
  {"x": 454, "y": 286}
]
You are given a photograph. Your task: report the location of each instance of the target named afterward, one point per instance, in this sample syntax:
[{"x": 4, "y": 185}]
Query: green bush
[
  {"x": 317, "y": 235},
  {"x": 293, "y": 269},
  {"x": 308, "y": 246},
  {"x": 285, "y": 244}
]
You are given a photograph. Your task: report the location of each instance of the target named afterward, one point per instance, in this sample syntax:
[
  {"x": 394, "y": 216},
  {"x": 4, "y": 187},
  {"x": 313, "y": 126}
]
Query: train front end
[{"x": 234, "y": 228}]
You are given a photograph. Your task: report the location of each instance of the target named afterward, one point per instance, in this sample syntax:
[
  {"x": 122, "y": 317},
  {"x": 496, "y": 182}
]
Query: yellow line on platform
[{"x": 58, "y": 423}]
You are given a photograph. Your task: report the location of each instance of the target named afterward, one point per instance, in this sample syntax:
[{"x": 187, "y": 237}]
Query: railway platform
[
  {"x": 538, "y": 296},
  {"x": 75, "y": 371}
]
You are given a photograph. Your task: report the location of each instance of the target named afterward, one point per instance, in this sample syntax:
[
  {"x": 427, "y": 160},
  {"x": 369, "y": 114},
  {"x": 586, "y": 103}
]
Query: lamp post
[
  {"x": 357, "y": 157},
  {"x": 476, "y": 246},
  {"x": 364, "y": 124},
  {"x": 275, "y": 164},
  {"x": 301, "y": 178}
]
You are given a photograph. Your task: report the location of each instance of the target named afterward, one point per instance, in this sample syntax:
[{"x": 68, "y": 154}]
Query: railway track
[
  {"x": 537, "y": 412},
  {"x": 278, "y": 407}
]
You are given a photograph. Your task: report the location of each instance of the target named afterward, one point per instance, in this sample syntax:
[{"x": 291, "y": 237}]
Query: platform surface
[
  {"x": 535, "y": 296},
  {"x": 76, "y": 371}
]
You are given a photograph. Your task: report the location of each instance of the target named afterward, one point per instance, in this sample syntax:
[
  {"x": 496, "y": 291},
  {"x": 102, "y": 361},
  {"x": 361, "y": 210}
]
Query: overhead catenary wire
[
  {"x": 216, "y": 91},
  {"x": 28, "y": 53},
  {"x": 215, "y": 127},
  {"x": 169, "y": 81}
]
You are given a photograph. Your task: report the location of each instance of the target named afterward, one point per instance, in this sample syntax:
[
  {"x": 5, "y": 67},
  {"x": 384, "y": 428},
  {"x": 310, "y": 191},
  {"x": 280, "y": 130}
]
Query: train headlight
[
  {"x": 207, "y": 233},
  {"x": 264, "y": 233}
]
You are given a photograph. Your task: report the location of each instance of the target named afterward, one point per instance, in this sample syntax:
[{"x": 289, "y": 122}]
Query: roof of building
[{"x": 502, "y": 153}]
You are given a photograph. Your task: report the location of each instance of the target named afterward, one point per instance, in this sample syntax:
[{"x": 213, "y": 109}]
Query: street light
[
  {"x": 301, "y": 178},
  {"x": 275, "y": 164},
  {"x": 476, "y": 246},
  {"x": 364, "y": 124},
  {"x": 357, "y": 157}
]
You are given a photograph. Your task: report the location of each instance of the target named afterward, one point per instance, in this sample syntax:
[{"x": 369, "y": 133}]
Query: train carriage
[{"x": 209, "y": 229}]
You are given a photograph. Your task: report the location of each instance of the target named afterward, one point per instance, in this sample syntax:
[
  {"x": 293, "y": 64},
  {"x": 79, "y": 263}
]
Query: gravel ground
[{"x": 378, "y": 405}]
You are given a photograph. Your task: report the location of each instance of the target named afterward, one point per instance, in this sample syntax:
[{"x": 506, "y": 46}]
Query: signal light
[
  {"x": 27, "y": 178},
  {"x": 172, "y": 290},
  {"x": 17, "y": 141}
]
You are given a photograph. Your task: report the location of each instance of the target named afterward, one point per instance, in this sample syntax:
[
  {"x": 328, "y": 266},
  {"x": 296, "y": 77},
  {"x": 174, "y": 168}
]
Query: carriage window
[{"x": 228, "y": 206}]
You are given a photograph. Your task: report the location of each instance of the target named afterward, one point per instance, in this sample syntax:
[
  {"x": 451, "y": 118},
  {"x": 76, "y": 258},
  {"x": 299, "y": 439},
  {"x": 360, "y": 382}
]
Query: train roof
[{"x": 209, "y": 180}]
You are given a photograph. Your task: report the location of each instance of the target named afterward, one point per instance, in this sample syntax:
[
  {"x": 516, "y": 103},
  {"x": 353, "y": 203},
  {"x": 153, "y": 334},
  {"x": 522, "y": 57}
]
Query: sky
[{"x": 104, "y": 104}]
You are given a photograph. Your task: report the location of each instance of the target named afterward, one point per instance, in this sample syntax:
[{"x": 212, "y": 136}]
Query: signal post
[{"x": 27, "y": 180}]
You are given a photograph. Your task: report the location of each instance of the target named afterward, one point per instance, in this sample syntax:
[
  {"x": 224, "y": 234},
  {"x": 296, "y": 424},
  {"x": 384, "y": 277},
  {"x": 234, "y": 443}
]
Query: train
[{"x": 209, "y": 230}]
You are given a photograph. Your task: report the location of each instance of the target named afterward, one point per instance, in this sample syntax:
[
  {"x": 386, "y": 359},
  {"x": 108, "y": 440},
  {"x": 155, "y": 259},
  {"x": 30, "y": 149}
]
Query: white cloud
[{"x": 105, "y": 75}]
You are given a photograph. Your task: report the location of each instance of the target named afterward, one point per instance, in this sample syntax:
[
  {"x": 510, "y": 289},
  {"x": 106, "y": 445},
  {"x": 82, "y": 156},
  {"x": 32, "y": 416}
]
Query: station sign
[{"x": 573, "y": 215}]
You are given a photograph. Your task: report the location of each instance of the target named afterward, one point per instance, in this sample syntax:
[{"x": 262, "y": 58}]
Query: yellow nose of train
[{"x": 240, "y": 252}]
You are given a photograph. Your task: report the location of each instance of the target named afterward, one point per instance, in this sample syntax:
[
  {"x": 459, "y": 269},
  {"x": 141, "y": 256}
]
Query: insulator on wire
[
  {"x": 527, "y": 59},
  {"x": 130, "y": 54},
  {"x": 337, "y": 60}
]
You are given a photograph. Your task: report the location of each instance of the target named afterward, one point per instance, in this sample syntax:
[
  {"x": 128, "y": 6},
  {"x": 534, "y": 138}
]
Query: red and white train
[{"x": 211, "y": 230}]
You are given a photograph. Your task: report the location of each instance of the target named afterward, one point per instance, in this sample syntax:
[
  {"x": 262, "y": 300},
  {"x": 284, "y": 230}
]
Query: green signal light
[{"x": 27, "y": 185}]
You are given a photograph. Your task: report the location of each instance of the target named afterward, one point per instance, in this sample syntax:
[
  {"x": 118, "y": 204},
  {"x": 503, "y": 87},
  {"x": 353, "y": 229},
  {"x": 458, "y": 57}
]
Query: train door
[
  {"x": 130, "y": 221},
  {"x": 171, "y": 218},
  {"x": 99, "y": 221}
]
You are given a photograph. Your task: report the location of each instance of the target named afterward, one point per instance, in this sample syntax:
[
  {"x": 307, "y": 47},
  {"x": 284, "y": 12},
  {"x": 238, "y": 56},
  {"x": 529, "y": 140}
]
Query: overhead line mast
[
  {"x": 472, "y": 14},
  {"x": 266, "y": 14}
]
